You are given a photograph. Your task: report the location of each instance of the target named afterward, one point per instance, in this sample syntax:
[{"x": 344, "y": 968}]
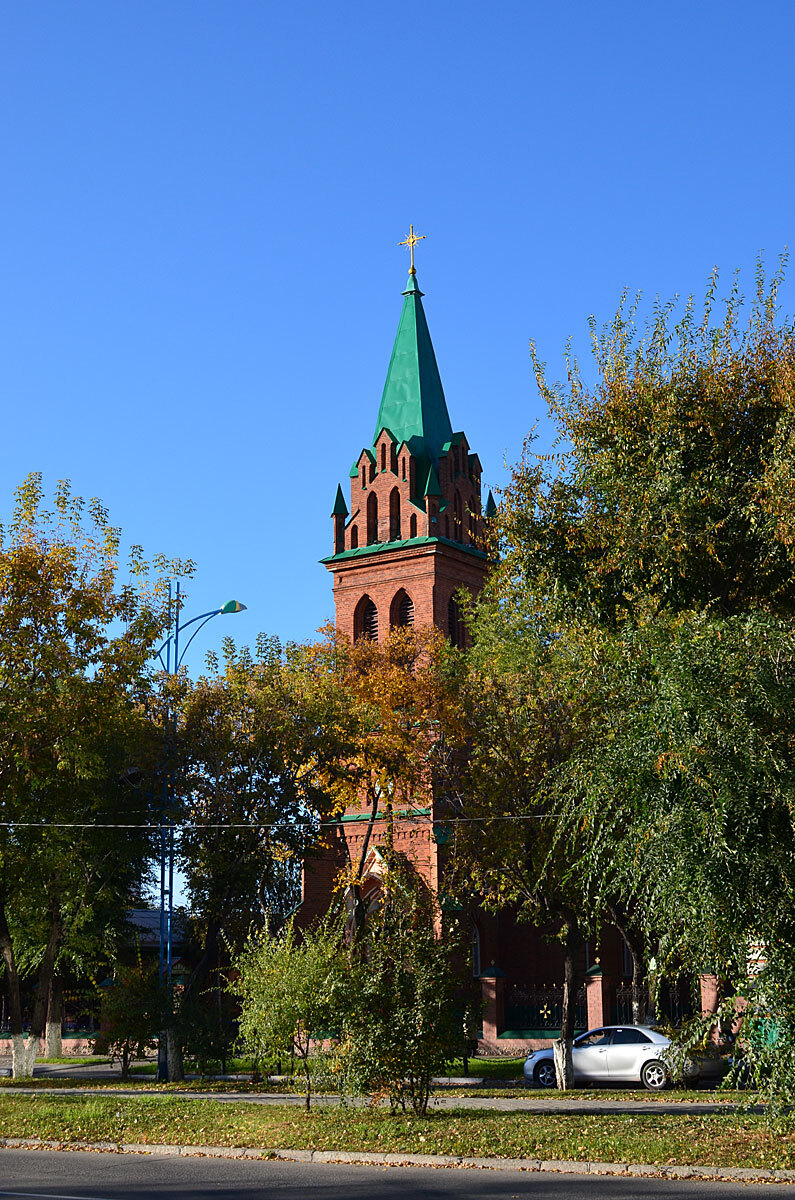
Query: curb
[{"x": 374, "y": 1158}]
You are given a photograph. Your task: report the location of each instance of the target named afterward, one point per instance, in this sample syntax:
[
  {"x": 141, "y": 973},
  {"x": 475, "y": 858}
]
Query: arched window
[
  {"x": 402, "y": 611},
  {"x": 394, "y": 515},
  {"x": 455, "y": 626},
  {"x": 475, "y": 951},
  {"x": 393, "y": 458},
  {"x": 365, "y": 620},
  {"x": 446, "y": 525},
  {"x": 404, "y": 468},
  {"x": 458, "y": 524},
  {"x": 364, "y": 476},
  {"x": 372, "y": 471},
  {"x": 354, "y": 537},
  {"x": 413, "y": 525},
  {"x": 383, "y": 456},
  {"x": 372, "y": 519}
]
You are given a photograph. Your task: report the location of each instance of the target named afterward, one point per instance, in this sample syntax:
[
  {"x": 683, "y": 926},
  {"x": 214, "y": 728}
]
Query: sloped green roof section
[
  {"x": 432, "y": 487},
  {"x": 340, "y": 508},
  {"x": 413, "y": 406}
]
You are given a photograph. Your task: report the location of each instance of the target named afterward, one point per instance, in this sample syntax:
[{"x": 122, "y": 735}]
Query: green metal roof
[
  {"x": 491, "y": 507},
  {"x": 432, "y": 487},
  {"x": 380, "y": 547},
  {"x": 340, "y": 508},
  {"x": 413, "y": 406}
]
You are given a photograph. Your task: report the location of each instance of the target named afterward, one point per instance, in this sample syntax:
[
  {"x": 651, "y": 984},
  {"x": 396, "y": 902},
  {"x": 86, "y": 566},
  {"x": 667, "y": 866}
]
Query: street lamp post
[{"x": 171, "y": 664}]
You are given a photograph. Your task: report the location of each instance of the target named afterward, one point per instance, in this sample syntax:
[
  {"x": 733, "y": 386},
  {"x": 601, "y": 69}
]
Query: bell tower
[{"x": 413, "y": 535}]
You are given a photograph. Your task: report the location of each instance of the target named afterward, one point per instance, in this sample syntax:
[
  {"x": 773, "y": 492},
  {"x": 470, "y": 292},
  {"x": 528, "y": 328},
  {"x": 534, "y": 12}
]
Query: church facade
[{"x": 409, "y": 537}]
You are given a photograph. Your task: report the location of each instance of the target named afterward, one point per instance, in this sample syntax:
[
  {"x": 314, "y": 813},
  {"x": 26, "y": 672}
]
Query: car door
[
  {"x": 589, "y": 1056},
  {"x": 626, "y": 1054}
]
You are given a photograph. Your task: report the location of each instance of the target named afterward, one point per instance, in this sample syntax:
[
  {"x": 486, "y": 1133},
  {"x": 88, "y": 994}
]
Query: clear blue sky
[{"x": 201, "y": 206}]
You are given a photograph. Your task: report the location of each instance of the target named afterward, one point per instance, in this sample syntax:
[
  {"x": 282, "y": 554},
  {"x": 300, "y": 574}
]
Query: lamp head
[{"x": 232, "y": 606}]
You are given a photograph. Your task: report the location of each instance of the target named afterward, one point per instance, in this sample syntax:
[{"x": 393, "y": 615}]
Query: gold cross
[{"x": 411, "y": 242}]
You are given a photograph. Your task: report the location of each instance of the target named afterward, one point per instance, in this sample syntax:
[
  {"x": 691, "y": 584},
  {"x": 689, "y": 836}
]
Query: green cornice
[
  {"x": 381, "y": 547},
  {"x": 406, "y": 812}
]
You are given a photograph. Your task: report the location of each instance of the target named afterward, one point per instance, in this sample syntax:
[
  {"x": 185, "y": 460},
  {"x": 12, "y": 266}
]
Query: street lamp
[{"x": 166, "y": 823}]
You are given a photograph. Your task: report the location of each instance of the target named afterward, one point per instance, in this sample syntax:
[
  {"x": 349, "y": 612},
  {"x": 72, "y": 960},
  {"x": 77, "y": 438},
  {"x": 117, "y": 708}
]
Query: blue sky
[{"x": 201, "y": 206}]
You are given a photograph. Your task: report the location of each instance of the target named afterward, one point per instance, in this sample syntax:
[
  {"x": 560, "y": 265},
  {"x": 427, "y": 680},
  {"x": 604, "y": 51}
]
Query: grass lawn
[
  {"x": 710, "y": 1140},
  {"x": 78, "y": 1060}
]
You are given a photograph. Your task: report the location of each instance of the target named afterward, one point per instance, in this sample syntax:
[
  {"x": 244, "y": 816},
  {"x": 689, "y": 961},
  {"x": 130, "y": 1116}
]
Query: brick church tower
[
  {"x": 413, "y": 534},
  {"x": 411, "y": 539}
]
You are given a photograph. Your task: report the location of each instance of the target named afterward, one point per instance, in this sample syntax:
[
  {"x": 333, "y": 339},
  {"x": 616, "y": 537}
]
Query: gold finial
[{"x": 411, "y": 242}]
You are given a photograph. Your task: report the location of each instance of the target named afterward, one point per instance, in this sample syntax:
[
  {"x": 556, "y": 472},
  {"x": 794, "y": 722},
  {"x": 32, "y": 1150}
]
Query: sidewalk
[{"x": 533, "y": 1102}]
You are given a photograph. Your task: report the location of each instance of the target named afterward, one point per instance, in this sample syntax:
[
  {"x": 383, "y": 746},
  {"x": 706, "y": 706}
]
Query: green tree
[
  {"x": 74, "y": 684},
  {"x": 132, "y": 1012},
  {"x": 293, "y": 995},
  {"x": 405, "y": 1019},
  {"x": 654, "y": 559},
  {"x": 256, "y": 739}
]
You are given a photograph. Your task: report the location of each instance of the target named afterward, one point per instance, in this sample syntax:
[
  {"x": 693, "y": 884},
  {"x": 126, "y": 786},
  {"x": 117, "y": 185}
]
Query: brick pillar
[
  {"x": 492, "y": 983},
  {"x": 710, "y": 998},
  {"x": 597, "y": 996}
]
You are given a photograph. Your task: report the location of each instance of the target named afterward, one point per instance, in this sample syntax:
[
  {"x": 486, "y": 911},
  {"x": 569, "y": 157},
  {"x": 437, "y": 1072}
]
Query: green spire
[
  {"x": 432, "y": 487},
  {"x": 413, "y": 406},
  {"x": 491, "y": 507},
  {"x": 340, "y": 508}
]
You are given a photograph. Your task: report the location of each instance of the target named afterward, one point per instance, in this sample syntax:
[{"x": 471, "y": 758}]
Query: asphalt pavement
[{"x": 54, "y": 1175}]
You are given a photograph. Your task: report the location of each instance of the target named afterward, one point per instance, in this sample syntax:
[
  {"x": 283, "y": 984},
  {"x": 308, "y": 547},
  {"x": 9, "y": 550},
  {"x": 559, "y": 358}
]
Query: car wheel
[
  {"x": 654, "y": 1076},
  {"x": 544, "y": 1074}
]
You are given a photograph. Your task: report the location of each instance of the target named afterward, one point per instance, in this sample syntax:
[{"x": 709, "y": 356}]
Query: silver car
[{"x": 612, "y": 1054}]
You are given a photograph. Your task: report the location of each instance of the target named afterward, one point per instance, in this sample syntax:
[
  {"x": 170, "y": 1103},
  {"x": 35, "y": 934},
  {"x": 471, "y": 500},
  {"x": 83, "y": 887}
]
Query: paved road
[{"x": 50, "y": 1175}]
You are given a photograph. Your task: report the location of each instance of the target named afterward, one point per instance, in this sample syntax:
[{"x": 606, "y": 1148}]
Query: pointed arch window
[
  {"x": 413, "y": 525},
  {"x": 394, "y": 515},
  {"x": 372, "y": 519},
  {"x": 365, "y": 620},
  {"x": 354, "y": 537},
  {"x": 455, "y": 625},
  {"x": 402, "y": 613},
  {"x": 383, "y": 456},
  {"x": 458, "y": 523},
  {"x": 475, "y": 951}
]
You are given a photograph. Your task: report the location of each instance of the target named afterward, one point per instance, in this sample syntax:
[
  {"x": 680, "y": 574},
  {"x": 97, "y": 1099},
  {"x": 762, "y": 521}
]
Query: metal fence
[
  {"x": 540, "y": 1007},
  {"x": 674, "y": 1004}
]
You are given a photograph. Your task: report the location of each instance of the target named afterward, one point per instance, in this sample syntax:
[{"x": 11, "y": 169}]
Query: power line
[{"x": 178, "y": 827}]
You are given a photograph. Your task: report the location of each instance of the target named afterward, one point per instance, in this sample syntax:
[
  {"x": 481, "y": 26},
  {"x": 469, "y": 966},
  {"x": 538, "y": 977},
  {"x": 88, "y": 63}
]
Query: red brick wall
[{"x": 430, "y": 574}]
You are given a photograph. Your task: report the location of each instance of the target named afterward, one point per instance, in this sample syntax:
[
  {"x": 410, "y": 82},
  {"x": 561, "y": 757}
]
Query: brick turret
[
  {"x": 414, "y": 535},
  {"x": 412, "y": 538}
]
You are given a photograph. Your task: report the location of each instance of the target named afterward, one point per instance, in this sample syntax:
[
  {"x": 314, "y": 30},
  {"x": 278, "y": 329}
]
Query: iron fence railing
[
  {"x": 633, "y": 1004},
  {"x": 540, "y": 1007}
]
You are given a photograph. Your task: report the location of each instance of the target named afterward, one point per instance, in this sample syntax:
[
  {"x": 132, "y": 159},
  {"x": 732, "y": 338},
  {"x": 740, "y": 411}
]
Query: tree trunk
[
  {"x": 54, "y": 1042},
  {"x": 174, "y": 1062},
  {"x": 562, "y": 1049},
  {"x": 24, "y": 1049},
  {"x": 634, "y": 941}
]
